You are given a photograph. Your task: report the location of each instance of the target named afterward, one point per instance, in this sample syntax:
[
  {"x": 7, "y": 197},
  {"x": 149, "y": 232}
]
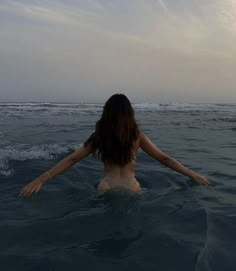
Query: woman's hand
[
  {"x": 201, "y": 179},
  {"x": 32, "y": 187}
]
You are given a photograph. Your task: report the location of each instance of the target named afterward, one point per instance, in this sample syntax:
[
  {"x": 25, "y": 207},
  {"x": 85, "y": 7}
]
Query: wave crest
[{"x": 22, "y": 152}]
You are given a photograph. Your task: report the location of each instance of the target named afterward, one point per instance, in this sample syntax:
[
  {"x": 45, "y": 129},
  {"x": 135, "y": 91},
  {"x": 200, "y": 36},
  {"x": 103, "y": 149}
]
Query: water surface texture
[{"x": 173, "y": 224}]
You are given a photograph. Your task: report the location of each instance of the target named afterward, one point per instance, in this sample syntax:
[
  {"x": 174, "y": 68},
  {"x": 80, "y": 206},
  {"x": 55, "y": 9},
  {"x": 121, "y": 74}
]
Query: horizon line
[{"x": 161, "y": 103}]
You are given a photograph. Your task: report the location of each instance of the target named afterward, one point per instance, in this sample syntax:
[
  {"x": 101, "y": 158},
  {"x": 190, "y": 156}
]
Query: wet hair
[{"x": 115, "y": 132}]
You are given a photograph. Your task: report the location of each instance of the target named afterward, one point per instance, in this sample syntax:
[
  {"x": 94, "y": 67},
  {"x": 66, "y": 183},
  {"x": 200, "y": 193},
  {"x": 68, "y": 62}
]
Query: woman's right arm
[
  {"x": 147, "y": 146},
  {"x": 60, "y": 167}
]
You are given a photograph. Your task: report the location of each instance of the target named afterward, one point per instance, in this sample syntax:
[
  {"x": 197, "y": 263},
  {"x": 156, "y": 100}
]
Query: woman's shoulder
[
  {"x": 141, "y": 135},
  {"x": 138, "y": 141}
]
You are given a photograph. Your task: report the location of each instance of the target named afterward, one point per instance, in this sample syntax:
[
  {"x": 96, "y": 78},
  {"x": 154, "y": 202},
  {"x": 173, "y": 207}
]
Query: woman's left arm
[{"x": 60, "y": 167}]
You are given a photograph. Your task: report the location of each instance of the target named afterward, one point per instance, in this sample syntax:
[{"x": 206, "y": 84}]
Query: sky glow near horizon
[{"x": 84, "y": 51}]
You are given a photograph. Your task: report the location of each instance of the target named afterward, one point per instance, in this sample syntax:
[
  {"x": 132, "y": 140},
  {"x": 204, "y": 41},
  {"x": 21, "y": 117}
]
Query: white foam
[
  {"x": 21, "y": 152},
  {"x": 186, "y": 107},
  {"x": 21, "y": 110},
  {"x": 88, "y": 108}
]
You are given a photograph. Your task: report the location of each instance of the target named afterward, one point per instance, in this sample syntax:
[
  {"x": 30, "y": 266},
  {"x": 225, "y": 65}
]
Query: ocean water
[{"x": 172, "y": 224}]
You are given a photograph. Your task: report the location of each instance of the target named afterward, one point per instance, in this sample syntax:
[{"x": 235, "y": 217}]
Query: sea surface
[{"x": 172, "y": 224}]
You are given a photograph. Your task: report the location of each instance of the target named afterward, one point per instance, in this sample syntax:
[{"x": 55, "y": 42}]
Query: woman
[{"x": 115, "y": 141}]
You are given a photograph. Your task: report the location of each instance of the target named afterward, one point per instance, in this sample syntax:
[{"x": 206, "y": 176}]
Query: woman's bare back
[{"x": 120, "y": 177}]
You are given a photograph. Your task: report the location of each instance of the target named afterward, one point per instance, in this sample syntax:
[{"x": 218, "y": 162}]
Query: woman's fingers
[
  {"x": 202, "y": 180},
  {"x": 24, "y": 191},
  {"x": 205, "y": 180},
  {"x": 28, "y": 191},
  {"x": 30, "y": 188},
  {"x": 38, "y": 188}
]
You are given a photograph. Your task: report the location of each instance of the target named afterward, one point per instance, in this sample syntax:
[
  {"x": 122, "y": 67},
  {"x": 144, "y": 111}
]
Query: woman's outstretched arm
[
  {"x": 147, "y": 146},
  {"x": 60, "y": 167}
]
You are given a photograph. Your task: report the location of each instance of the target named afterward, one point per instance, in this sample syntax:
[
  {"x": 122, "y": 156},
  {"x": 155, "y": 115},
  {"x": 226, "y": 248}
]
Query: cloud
[
  {"x": 185, "y": 29},
  {"x": 182, "y": 48},
  {"x": 163, "y": 4},
  {"x": 32, "y": 11}
]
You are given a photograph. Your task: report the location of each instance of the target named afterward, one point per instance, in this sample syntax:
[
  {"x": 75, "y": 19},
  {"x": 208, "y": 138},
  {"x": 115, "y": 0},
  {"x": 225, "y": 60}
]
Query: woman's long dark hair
[{"x": 116, "y": 131}]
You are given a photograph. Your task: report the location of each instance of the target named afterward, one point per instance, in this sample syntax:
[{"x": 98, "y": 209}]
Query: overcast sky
[{"x": 84, "y": 51}]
